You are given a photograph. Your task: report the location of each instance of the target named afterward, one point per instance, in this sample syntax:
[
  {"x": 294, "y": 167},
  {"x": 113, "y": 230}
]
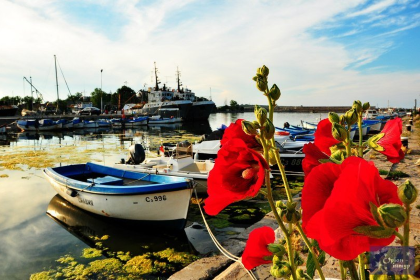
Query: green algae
[
  {"x": 121, "y": 266},
  {"x": 89, "y": 253}
]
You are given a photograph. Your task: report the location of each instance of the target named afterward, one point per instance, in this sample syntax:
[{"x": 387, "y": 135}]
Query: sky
[{"x": 320, "y": 53}]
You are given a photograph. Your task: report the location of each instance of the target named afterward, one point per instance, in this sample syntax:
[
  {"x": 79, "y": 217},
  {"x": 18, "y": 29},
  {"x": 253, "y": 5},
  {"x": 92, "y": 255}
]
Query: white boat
[
  {"x": 122, "y": 194},
  {"x": 161, "y": 120},
  {"x": 309, "y": 125},
  {"x": 175, "y": 161}
]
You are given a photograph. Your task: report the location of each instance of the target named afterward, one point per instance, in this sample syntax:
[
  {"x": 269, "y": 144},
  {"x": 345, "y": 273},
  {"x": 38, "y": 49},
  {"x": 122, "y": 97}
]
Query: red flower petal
[
  {"x": 323, "y": 136},
  {"x": 342, "y": 203},
  {"x": 391, "y": 141},
  {"x": 256, "y": 247},
  {"x": 226, "y": 183},
  {"x": 235, "y": 131},
  {"x": 312, "y": 156}
]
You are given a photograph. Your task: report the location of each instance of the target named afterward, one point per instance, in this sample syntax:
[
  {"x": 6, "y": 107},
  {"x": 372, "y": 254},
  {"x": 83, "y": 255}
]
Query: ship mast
[
  {"x": 178, "y": 74},
  {"x": 56, "y": 80},
  {"x": 156, "y": 78}
]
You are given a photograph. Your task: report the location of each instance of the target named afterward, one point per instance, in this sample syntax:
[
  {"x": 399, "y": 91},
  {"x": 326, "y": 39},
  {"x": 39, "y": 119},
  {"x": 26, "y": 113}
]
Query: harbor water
[{"x": 37, "y": 228}]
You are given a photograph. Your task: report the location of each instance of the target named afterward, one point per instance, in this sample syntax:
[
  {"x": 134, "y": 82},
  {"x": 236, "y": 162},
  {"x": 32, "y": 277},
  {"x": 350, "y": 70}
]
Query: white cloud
[{"x": 215, "y": 44}]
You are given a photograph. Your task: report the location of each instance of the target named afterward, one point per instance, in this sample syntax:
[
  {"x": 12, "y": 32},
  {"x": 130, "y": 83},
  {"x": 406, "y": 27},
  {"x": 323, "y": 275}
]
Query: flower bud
[
  {"x": 339, "y": 132},
  {"x": 366, "y": 106},
  {"x": 268, "y": 129},
  {"x": 277, "y": 249},
  {"x": 342, "y": 120},
  {"x": 351, "y": 117},
  {"x": 407, "y": 192},
  {"x": 275, "y": 92},
  {"x": 249, "y": 128},
  {"x": 290, "y": 214},
  {"x": 260, "y": 114},
  {"x": 280, "y": 269},
  {"x": 358, "y": 106},
  {"x": 333, "y": 117},
  {"x": 263, "y": 71},
  {"x": 393, "y": 215},
  {"x": 261, "y": 84}
]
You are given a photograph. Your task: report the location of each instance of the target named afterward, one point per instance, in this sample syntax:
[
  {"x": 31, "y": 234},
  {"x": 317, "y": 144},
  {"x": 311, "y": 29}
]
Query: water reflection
[{"x": 125, "y": 237}]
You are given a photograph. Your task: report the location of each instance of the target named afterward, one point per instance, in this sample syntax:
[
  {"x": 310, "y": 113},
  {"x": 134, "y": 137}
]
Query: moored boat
[
  {"x": 122, "y": 194},
  {"x": 38, "y": 125},
  {"x": 174, "y": 161}
]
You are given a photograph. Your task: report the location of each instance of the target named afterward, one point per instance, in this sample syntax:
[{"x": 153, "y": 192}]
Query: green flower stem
[
  {"x": 342, "y": 270},
  {"x": 314, "y": 256},
  {"x": 352, "y": 270},
  {"x": 270, "y": 105},
  {"x": 281, "y": 224},
  {"x": 347, "y": 143},
  {"x": 282, "y": 172},
  {"x": 362, "y": 267},
  {"x": 406, "y": 239},
  {"x": 276, "y": 214},
  {"x": 397, "y": 234},
  {"x": 359, "y": 123}
]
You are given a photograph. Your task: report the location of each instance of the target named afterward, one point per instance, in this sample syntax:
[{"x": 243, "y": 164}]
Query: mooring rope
[{"x": 219, "y": 246}]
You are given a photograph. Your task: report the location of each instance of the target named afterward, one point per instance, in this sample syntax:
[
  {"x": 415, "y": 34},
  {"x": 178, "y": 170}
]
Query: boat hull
[
  {"x": 123, "y": 202},
  {"x": 152, "y": 108}
]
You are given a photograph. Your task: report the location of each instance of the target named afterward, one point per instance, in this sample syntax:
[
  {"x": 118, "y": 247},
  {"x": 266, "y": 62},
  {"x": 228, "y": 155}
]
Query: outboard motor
[{"x": 137, "y": 154}]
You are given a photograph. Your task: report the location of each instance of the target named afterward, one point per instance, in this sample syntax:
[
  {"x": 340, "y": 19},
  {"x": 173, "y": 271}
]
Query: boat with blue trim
[{"x": 156, "y": 199}]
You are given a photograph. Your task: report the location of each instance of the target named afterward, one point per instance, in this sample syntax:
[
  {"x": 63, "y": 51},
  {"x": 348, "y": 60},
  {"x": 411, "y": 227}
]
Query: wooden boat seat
[
  {"x": 107, "y": 180},
  {"x": 195, "y": 167}
]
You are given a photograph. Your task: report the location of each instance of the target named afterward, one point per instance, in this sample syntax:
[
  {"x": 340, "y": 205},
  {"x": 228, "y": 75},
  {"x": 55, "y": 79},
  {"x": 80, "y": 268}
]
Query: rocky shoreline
[{"x": 220, "y": 267}]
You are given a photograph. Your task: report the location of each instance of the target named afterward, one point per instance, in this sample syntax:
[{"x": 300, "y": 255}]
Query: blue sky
[{"x": 320, "y": 52}]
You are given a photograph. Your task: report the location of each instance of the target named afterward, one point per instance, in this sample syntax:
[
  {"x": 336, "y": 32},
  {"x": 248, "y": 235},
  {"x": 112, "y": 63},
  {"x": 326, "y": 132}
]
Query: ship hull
[
  {"x": 200, "y": 110},
  {"x": 153, "y": 108}
]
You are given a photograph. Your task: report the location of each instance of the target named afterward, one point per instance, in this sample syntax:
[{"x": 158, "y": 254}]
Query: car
[{"x": 90, "y": 111}]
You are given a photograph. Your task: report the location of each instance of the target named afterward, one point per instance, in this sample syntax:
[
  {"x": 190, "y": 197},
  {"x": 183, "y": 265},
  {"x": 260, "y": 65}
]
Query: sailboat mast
[{"x": 56, "y": 80}]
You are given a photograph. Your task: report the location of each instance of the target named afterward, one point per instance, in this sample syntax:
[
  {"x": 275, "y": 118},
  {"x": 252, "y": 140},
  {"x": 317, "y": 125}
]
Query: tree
[
  {"x": 75, "y": 98},
  {"x": 125, "y": 95},
  {"x": 233, "y": 104},
  {"x": 96, "y": 97}
]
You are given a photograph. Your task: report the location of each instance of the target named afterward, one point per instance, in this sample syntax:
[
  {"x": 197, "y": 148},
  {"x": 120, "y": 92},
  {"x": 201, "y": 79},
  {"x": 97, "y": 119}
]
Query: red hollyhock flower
[
  {"x": 312, "y": 156},
  {"x": 323, "y": 136},
  {"x": 256, "y": 247},
  {"x": 335, "y": 200},
  {"x": 235, "y": 131},
  {"x": 238, "y": 174},
  {"x": 391, "y": 141}
]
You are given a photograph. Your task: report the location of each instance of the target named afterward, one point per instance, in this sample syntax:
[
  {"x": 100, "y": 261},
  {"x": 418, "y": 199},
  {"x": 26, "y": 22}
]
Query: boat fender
[{"x": 71, "y": 192}]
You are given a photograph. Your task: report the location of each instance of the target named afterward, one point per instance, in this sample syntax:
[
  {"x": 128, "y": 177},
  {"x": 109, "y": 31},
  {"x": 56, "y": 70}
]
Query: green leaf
[{"x": 310, "y": 264}]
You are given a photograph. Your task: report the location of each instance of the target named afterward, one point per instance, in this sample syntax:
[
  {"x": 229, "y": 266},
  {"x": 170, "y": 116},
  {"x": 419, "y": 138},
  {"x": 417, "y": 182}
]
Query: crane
[{"x": 38, "y": 94}]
